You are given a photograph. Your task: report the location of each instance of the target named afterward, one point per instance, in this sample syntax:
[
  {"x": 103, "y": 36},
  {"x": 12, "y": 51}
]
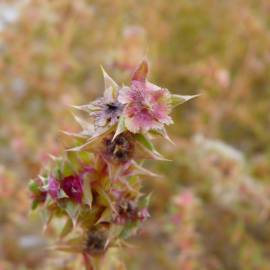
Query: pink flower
[{"x": 147, "y": 106}]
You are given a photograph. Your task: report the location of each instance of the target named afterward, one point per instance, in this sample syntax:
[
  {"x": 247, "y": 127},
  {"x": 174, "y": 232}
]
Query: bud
[{"x": 121, "y": 149}]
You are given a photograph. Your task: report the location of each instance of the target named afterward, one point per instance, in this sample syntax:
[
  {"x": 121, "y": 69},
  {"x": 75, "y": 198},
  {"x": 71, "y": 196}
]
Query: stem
[{"x": 87, "y": 262}]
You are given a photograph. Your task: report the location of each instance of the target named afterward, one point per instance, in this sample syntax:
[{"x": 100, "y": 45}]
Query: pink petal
[
  {"x": 131, "y": 125},
  {"x": 141, "y": 121},
  {"x": 125, "y": 95}
]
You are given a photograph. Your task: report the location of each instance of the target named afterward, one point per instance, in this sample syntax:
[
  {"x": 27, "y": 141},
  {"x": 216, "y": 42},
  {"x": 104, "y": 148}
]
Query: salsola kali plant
[{"x": 96, "y": 185}]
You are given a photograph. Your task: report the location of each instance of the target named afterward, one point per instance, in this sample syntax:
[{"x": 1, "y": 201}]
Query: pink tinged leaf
[{"x": 141, "y": 72}]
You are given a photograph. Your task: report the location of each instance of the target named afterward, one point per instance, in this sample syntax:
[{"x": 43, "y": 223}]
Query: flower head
[
  {"x": 128, "y": 211},
  {"x": 106, "y": 111},
  {"x": 96, "y": 242},
  {"x": 147, "y": 106},
  {"x": 96, "y": 186}
]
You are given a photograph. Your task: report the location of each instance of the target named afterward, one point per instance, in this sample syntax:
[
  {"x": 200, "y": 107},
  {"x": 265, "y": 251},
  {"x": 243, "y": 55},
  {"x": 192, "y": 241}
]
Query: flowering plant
[{"x": 96, "y": 185}]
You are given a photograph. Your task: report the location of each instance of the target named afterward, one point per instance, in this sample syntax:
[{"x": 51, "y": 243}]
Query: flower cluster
[{"x": 96, "y": 185}]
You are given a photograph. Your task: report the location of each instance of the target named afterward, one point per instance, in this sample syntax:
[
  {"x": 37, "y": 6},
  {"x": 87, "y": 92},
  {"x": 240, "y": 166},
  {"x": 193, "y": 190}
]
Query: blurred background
[{"x": 210, "y": 211}]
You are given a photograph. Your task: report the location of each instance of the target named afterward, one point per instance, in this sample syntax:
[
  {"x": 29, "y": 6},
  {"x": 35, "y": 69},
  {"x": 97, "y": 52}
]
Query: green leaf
[
  {"x": 106, "y": 216},
  {"x": 179, "y": 99},
  {"x": 163, "y": 132},
  {"x": 120, "y": 127},
  {"x": 128, "y": 230},
  {"x": 67, "y": 228},
  {"x": 110, "y": 85},
  {"x": 87, "y": 193},
  {"x": 144, "y": 201},
  {"x": 46, "y": 216},
  {"x": 105, "y": 199},
  {"x": 140, "y": 170},
  {"x": 86, "y": 157},
  {"x": 145, "y": 141},
  {"x": 146, "y": 150},
  {"x": 73, "y": 210},
  {"x": 33, "y": 187},
  {"x": 34, "y": 204}
]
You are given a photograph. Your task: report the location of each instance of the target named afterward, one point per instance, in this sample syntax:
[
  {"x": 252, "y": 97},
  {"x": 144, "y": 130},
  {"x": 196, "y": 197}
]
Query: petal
[
  {"x": 100, "y": 118},
  {"x": 137, "y": 120},
  {"x": 131, "y": 125},
  {"x": 141, "y": 72},
  {"x": 167, "y": 120},
  {"x": 109, "y": 95},
  {"x": 125, "y": 95}
]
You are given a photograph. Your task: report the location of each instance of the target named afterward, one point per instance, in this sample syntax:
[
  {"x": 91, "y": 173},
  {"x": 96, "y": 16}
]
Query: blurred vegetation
[{"x": 211, "y": 209}]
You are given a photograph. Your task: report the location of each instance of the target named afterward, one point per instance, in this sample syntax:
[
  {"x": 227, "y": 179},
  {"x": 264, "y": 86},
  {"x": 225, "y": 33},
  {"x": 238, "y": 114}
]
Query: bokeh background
[{"x": 210, "y": 210}]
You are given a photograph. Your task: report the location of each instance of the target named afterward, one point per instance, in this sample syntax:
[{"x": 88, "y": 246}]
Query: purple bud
[
  {"x": 72, "y": 186},
  {"x": 53, "y": 188}
]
